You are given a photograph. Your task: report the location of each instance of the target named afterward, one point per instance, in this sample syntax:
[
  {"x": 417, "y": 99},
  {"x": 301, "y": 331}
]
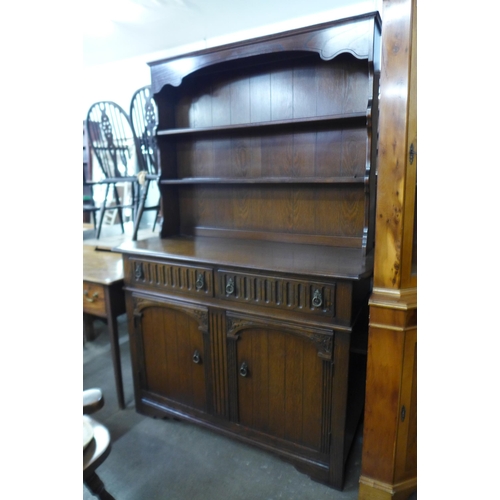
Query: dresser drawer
[
  {"x": 271, "y": 291},
  {"x": 94, "y": 299},
  {"x": 170, "y": 277}
]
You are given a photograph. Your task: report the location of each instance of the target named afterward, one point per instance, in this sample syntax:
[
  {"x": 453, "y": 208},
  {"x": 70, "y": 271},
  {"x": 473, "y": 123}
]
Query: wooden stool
[{"x": 98, "y": 448}]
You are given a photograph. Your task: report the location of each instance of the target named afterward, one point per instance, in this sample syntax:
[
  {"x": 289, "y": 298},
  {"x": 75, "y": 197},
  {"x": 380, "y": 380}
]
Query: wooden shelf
[
  {"x": 346, "y": 120},
  {"x": 265, "y": 180}
]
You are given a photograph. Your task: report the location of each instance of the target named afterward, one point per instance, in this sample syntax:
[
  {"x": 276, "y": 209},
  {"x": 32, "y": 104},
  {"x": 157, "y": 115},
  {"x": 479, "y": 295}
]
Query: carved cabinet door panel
[
  {"x": 406, "y": 446},
  {"x": 173, "y": 351},
  {"x": 283, "y": 386}
]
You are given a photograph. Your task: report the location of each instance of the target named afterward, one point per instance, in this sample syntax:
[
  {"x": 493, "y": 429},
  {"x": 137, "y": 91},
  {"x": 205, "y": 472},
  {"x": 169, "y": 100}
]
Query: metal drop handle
[
  {"x": 230, "y": 286},
  {"x": 139, "y": 271},
  {"x": 317, "y": 300},
  {"x": 200, "y": 281},
  {"x": 244, "y": 369},
  {"x": 95, "y": 295},
  {"x": 196, "y": 357}
]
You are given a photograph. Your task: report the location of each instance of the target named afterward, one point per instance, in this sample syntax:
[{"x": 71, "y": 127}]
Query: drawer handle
[
  {"x": 139, "y": 271},
  {"x": 200, "y": 282},
  {"x": 95, "y": 295},
  {"x": 244, "y": 369},
  {"x": 317, "y": 300},
  {"x": 196, "y": 357},
  {"x": 230, "y": 286}
]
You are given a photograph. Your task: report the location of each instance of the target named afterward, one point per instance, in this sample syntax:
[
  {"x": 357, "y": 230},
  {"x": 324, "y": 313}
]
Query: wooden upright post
[{"x": 389, "y": 465}]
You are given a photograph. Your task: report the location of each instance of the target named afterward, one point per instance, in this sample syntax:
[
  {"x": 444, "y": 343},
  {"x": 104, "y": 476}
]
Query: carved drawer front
[
  {"x": 172, "y": 277},
  {"x": 283, "y": 293},
  {"x": 94, "y": 300}
]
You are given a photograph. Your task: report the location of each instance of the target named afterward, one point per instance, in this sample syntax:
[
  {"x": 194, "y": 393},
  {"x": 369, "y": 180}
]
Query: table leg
[
  {"x": 88, "y": 327},
  {"x": 115, "y": 348}
]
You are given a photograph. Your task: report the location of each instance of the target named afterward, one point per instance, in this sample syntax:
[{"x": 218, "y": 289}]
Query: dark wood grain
[
  {"x": 170, "y": 338},
  {"x": 265, "y": 255},
  {"x": 319, "y": 261}
]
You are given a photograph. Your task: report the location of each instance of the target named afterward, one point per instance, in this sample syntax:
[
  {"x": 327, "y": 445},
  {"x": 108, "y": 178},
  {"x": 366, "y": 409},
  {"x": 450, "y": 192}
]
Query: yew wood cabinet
[{"x": 248, "y": 314}]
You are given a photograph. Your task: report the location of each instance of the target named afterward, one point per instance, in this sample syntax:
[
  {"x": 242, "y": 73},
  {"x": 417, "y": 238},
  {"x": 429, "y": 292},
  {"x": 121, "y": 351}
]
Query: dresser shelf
[
  {"x": 266, "y": 180},
  {"x": 337, "y": 121}
]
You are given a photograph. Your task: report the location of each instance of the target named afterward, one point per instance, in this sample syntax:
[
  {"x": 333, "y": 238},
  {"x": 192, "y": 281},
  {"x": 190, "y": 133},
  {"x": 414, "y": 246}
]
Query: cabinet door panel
[
  {"x": 171, "y": 337},
  {"x": 282, "y": 392},
  {"x": 406, "y": 447}
]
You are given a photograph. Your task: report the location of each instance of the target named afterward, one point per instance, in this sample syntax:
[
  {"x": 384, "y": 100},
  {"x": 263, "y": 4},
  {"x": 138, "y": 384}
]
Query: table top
[{"x": 102, "y": 266}]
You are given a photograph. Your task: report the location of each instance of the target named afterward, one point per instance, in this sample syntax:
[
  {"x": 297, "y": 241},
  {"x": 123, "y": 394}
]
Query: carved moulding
[
  {"x": 200, "y": 314},
  {"x": 322, "y": 338},
  {"x": 352, "y": 35}
]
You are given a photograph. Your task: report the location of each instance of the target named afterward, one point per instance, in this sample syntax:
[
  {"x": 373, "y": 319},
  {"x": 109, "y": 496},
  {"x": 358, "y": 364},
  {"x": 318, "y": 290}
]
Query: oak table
[{"x": 103, "y": 297}]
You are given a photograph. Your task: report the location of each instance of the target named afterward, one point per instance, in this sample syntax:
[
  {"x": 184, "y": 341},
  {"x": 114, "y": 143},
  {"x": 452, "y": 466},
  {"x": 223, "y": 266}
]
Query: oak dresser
[{"x": 248, "y": 314}]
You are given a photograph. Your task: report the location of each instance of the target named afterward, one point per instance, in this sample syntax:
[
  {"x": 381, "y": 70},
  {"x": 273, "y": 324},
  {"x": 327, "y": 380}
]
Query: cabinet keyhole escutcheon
[
  {"x": 412, "y": 154},
  {"x": 196, "y": 357},
  {"x": 244, "y": 369}
]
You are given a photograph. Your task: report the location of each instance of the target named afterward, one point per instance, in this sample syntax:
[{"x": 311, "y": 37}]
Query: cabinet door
[
  {"x": 406, "y": 446},
  {"x": 283, "y": 379},
  {"x": 172, "y": 346}
]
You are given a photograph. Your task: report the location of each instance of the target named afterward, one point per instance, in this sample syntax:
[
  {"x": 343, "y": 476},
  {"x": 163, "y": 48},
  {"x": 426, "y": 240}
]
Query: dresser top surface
[{"x": 314, "y": 260}]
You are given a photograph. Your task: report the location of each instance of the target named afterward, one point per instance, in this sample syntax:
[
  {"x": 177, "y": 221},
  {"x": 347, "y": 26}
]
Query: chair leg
[
  {"x": 157, "y": 215},
  {"x": 118, "y": 204},
  {"x": 135, "y": 201},
  {"x": 96, "y": 487},
  {"x": 103, "y": 210},
  {"x": 140, "y": 209}
]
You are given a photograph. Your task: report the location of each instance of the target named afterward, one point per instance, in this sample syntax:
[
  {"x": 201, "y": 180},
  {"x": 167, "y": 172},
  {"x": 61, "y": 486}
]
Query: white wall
[
  {"x": 117, "y": 81},
  {"x": 114, "y": 82}
]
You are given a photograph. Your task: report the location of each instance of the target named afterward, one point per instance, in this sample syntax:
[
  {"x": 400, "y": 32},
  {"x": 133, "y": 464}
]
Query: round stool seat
[{"x": 94, "y": 455}]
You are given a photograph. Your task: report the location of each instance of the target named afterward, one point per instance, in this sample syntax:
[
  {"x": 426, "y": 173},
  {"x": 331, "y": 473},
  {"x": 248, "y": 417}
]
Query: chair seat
[
  {"x": 93, "y": 400},
  {"x": 90, "y": 208},
  {"x": 117, "y": 180}
]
